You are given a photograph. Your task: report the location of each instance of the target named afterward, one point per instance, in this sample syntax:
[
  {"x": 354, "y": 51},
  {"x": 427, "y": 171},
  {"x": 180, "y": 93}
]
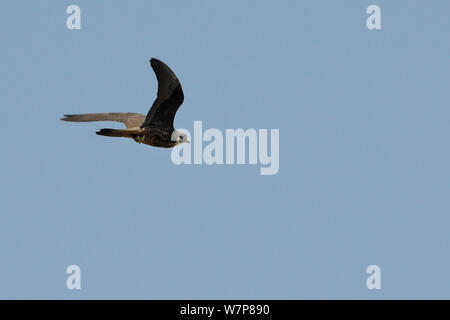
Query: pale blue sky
[{"x": 364, "y": 150}]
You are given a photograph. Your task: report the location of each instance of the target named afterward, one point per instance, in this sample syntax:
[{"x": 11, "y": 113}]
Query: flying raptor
[{"x": 156, "y": 129}]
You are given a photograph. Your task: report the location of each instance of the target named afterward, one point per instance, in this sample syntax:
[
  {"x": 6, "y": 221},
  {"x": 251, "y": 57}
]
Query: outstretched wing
[
  {"x": 170, "y": 97},
  {"x": 130, "y": 120}
]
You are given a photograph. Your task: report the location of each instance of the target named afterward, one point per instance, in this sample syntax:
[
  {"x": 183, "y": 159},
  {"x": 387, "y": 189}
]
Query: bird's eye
[{"x": 181, "y": 137}]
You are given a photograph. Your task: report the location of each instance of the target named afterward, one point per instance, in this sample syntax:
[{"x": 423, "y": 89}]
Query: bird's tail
[{"x": 120, "y": 133}]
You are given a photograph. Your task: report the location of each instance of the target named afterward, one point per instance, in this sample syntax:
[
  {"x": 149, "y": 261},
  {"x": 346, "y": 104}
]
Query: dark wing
[{"x": 170, "y": 97}]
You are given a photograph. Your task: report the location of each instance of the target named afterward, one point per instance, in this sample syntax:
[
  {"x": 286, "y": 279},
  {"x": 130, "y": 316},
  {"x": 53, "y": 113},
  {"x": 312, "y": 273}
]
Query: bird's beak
[{"x": 187, "y": 141}]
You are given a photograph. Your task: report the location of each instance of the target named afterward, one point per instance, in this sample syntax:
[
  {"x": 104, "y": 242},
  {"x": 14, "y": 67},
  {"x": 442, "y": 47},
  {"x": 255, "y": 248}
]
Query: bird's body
[
  {"x": 156, "y": 137},
  {"x": 156, "y": 129}
]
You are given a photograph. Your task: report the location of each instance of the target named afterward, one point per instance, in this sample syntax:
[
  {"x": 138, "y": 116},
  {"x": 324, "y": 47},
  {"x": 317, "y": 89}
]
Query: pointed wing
[
  {"x": 130, "y": 120},
  {"x": 170, "y": 97}
]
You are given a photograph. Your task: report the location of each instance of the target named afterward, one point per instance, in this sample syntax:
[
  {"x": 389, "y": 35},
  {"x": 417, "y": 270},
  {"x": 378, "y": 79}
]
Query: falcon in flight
[{"x": 156, "y": 129}]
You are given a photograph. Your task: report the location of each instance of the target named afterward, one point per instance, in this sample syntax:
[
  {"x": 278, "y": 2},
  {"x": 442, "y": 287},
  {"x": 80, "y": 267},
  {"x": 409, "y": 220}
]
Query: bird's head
[{"x": 179, "y": 137}]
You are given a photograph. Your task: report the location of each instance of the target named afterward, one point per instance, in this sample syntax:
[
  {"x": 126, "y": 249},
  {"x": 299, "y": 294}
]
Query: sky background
[{"x": 364, "y": 151}]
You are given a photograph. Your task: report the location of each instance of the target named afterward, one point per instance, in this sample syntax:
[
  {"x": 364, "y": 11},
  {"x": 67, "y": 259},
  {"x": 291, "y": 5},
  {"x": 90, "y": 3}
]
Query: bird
[{"x": 156, "y": 129}]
